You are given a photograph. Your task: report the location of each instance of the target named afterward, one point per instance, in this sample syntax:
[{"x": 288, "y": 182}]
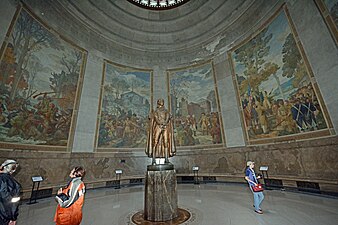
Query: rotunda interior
[{"x": 242, "y": 79}]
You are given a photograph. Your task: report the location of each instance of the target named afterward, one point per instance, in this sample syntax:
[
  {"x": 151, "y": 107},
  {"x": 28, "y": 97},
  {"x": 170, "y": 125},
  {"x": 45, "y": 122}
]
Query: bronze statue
[{"x": 160, "y": 143}]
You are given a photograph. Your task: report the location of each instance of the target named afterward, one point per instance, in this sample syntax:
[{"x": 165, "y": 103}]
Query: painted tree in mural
[
  {"x": 28, "y": 37},
  {"x": 293, "y": 64},
  {"x": 35, "y": 67},
  {"x": 7, "y": 67},
  {"x": 64, "y": 84},
  {"x": 178, "y": 91},
  {"x": 252, "y": 55},
  {"x": 39, "y": 75},
  {"x": 119, "y": 86},
  {"x": 275, "y": 87}
]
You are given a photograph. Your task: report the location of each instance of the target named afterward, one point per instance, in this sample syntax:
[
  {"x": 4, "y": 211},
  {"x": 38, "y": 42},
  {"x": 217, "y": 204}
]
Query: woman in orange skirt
[{"x": 70, "y": 200}]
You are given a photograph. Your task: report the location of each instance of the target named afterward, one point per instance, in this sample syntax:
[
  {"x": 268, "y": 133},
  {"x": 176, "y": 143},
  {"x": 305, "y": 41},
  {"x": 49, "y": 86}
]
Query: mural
[
  {"x": 274, "y": 84},
  {"x": 194, "y": 106},
  {"x": 329, "y": 10},
  {"x": 126, "y": 103},
  {"x": 39, "y": 82}
]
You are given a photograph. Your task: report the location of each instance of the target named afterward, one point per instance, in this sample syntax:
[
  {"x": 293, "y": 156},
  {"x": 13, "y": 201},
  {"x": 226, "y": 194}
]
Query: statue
[{"x": 160, "y": 143}]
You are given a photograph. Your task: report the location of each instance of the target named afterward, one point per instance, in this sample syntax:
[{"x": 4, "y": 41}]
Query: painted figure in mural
[
  {"x": 204, "y": 123},
  {"x": 160, "y": 143},
  {"x": 215, "y": 130},
  {"x": 298, "y": 111},
  {"x": 281, "y": 117},
  {"x": 266, "y": 101},
  {"x": 193, "y": 124},
  {"x": 261, "y": 111},
  {"x": 310, "y": 114}
]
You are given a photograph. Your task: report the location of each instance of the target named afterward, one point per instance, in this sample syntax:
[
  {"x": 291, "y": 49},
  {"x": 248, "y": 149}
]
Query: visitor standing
[
  {"x": 251, "y": 178},
  {"x": 9, "y": 193},
  {"x": 70, "y": 199}
]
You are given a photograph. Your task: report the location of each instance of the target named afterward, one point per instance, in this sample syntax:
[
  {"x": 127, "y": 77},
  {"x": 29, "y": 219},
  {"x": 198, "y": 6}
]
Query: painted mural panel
[
  {"x": 126, "y": 103},
  {"x": 194, "y": 105},
  {"x": 39, "y": 82},
  {"x": 274, "y": 84},
  {"x": 329, "y": 10},
  {"x": 332, "y": 6}
]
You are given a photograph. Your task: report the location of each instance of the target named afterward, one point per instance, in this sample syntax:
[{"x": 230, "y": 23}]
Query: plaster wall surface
[
  {"x": 89, "y": 105},
  {"x": 229, "y": 107}
]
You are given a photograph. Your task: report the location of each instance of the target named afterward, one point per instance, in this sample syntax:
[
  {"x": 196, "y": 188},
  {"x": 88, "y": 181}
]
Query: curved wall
[{"x": 232, "y": 22}]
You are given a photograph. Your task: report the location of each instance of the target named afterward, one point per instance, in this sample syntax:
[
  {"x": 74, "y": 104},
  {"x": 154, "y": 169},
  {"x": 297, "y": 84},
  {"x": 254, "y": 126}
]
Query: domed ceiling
[
  {"x": 192, "y": 31},
  {"x": 192, "y": 24}
]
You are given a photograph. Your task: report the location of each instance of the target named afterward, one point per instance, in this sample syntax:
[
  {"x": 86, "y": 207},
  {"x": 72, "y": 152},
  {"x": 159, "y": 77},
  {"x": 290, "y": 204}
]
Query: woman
[
  {"x": 251, "y": 178},
  {"x": 9, "y": 193},
  {"x": 70, "y": 199}
]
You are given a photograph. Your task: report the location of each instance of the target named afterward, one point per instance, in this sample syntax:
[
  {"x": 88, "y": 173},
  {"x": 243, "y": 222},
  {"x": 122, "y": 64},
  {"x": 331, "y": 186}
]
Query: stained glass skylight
[{"x": 158, "y": 4}]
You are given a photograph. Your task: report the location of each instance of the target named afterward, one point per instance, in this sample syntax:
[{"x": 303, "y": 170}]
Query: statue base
[
  {"x": 160, "y": 202},
  {"x": 160, "y": 167},
  {"x": 183, "y": 216}
]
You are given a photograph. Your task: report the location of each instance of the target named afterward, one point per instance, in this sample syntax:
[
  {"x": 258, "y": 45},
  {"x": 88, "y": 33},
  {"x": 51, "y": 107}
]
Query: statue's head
[{"x": 160, "y": 102}]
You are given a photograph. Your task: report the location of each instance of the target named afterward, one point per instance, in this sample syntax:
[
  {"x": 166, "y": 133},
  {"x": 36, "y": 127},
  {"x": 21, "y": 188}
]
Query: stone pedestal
[{"x": 160, "y": 202}]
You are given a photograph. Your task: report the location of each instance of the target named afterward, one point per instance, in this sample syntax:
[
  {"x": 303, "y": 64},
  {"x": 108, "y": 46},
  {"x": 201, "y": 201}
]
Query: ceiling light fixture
[{"x": 158, "y": 4}]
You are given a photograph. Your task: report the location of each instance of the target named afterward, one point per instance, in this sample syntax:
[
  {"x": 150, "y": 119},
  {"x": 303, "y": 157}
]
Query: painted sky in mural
[
  {"x": 126, "y": 102},
  {"x": 194, "y": 106},
  {"x": 274, "y": 85},
  {"x": 39, "y": 74}
]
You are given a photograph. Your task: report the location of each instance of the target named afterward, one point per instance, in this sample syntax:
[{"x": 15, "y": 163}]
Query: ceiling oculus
[{"x": 158, "y": 4}]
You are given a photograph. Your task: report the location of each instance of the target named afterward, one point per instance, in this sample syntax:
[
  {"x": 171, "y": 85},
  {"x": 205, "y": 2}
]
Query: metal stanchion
[
  {"x": 34, "y": 194},
  {"x": 195, "y": 170},
  {"x": 118, "y": 174}
]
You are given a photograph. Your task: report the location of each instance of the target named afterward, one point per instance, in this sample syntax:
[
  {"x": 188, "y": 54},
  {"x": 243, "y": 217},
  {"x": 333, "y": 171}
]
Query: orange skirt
[{"x": 68, "y": 216}]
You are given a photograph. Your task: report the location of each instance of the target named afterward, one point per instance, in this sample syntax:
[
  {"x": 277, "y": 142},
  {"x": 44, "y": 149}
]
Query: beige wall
[{"x": 314, "y": 161}]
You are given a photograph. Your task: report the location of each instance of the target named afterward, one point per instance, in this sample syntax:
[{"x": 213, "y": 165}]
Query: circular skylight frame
[{"x": 158, "y": 4}]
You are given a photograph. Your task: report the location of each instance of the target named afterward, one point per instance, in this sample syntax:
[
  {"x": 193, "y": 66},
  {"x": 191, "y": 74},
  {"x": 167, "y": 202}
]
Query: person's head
[
  {"x": 77, "y": 171},
  {"x": 160, "y": 102},
  {"x": 9, "y": 166},
  {"x": 250, "y": 164}
]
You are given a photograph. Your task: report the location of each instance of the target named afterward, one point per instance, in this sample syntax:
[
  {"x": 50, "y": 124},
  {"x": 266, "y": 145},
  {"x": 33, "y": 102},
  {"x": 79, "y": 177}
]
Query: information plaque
[{"x": 37, "y": 179}]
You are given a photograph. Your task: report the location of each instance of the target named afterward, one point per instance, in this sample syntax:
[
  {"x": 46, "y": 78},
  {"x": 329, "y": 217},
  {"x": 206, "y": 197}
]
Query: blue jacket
[{"x": 252, "y": 176}]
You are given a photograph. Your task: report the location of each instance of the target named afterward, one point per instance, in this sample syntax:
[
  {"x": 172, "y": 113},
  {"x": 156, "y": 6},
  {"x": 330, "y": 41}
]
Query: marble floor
[{"x": 209, "y": 204}]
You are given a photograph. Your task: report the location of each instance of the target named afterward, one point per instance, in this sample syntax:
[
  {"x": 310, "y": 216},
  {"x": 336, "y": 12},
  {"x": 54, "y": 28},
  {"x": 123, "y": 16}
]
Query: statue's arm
[
  {"x": 156, "y": 118},
  {"x": 167, "y": 118}
]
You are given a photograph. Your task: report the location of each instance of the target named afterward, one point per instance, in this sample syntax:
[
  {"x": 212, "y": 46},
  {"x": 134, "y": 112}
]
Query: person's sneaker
[
  {"x": 259, "y": 208},
  {"x": 259, "y": 211}
]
